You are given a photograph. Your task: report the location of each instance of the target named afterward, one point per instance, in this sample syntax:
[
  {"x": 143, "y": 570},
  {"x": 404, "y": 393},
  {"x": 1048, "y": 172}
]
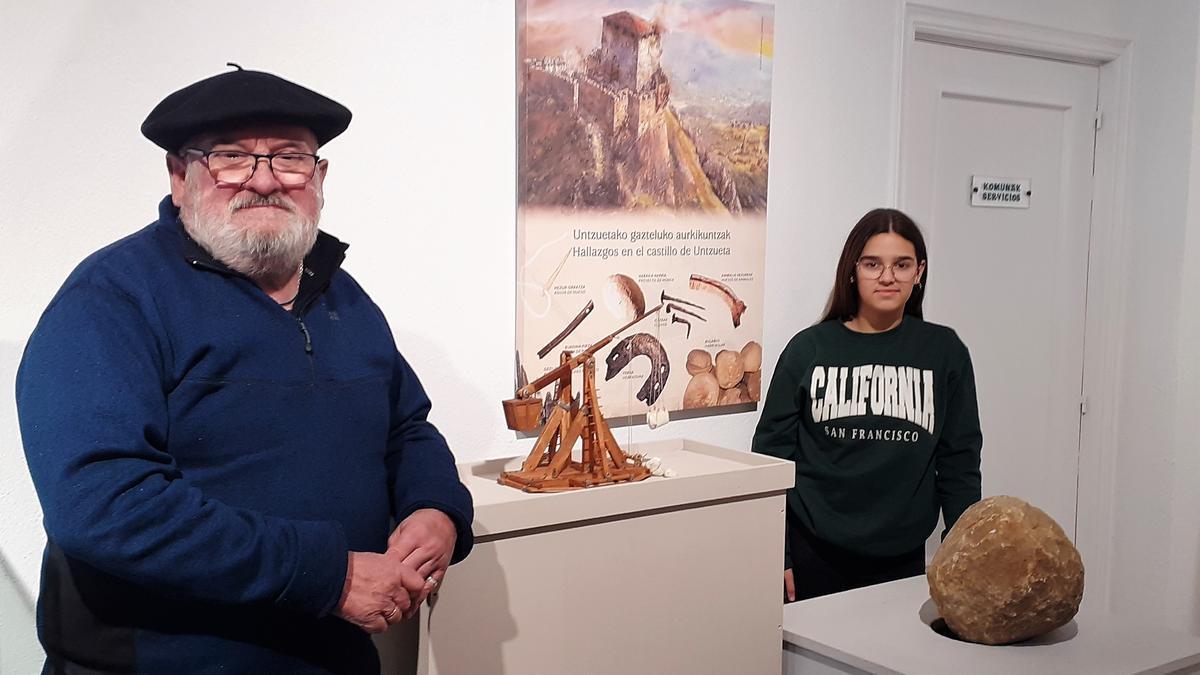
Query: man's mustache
[{"x": 259, "y": 200}]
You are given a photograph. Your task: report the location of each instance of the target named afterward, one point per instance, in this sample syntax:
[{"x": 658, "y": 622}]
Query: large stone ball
[{"x": 1006, "y": 572}]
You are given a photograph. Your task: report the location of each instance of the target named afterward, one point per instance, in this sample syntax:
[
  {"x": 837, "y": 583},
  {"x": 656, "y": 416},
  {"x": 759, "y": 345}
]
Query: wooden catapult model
[{"x": 549, "y": 466}]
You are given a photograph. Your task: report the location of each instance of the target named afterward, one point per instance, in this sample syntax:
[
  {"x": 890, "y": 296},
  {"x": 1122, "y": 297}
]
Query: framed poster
[{"x": 643, "y": 144}]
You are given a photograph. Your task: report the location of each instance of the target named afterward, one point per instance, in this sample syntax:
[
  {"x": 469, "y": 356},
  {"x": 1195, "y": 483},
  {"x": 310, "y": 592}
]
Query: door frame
[{"x": 1105, "y": 299}]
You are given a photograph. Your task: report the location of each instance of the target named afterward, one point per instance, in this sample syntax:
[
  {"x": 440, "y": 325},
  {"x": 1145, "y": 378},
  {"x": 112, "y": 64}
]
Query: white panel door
[{"x": 1011, "y": 281}]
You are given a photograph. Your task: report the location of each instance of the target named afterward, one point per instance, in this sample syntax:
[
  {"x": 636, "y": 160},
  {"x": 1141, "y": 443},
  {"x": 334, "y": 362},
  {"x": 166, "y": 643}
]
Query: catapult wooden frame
[{"x": 550, "y": 466}]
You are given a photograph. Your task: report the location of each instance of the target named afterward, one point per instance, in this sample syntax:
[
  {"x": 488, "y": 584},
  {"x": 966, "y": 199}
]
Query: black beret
[{"x": 242, "y": 97}]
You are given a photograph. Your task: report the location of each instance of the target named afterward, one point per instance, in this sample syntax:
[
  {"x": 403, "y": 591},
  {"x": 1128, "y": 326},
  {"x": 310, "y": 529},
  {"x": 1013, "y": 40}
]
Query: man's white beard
[{"x": 258, "y": 255}]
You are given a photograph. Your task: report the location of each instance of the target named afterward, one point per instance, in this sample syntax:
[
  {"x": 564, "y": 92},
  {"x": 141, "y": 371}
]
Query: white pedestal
[
  {"x": 666, "y": 575},
  {"x": 884, "y": 629}
]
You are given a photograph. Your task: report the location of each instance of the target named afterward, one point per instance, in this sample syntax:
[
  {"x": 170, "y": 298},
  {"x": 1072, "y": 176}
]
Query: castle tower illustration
[
  {"x": 613, "y": 138},
  {"x": 630, "y": 51}
]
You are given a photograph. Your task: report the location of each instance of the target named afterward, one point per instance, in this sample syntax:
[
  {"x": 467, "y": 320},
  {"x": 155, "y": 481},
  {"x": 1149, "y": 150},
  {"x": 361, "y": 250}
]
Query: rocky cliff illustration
[{"x": 600, "y": 130}]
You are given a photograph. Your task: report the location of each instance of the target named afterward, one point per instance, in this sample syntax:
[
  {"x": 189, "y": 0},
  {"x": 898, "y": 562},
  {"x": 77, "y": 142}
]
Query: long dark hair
[{"x": 843, "y": 299}]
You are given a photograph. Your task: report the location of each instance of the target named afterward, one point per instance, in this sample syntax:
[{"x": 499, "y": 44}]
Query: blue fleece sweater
[{"x": 205, "y": 460}]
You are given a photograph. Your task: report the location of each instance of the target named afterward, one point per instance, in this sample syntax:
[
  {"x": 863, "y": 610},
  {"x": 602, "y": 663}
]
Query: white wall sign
[{"x": 1011, "y": 193}]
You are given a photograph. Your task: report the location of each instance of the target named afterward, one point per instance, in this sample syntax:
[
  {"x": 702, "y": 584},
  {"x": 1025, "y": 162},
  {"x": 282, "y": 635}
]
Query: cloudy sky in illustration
[{"x": 717, "y": 53}]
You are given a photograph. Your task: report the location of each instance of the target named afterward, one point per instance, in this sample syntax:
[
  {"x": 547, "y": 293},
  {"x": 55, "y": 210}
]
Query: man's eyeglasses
[
  {"x": 904, "y": 270},
  {"x": 234, "y": 167}
]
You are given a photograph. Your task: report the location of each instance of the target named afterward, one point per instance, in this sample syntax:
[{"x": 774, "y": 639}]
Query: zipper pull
[{"x": 307, "y": 337}]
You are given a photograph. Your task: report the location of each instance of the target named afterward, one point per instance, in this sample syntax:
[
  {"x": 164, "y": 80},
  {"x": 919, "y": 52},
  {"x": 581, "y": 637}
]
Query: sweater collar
[{"x": 321, "y": 263}]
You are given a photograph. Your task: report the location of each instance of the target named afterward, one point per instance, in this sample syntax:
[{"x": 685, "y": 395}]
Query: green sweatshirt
[{"x": 883, "y": 428}]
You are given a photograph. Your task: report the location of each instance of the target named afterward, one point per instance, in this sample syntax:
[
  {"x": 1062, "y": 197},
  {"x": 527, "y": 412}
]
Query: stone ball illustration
[
  {"x": 1005, "y": 573},
  {"x": 752, "y": 357},
  {"x": 729, "y": 368},
  {"x": 702, "y": 391},
  {"x": 753, "y": 383},
  {"x": 733, "y": 396},
  {"x": 699, "y": 361}
]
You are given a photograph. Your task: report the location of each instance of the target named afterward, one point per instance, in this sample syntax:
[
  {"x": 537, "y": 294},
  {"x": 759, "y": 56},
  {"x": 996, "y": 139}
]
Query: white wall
[
  {"x": 19, "y": 648},
  {"x": 1184, "y": 553},
  {"x": 422, "y": 186},
  {"x": 1155, "y": 564},
  {"x": 1185, "y": 534},
  {"x": 1184, "y": 576}
]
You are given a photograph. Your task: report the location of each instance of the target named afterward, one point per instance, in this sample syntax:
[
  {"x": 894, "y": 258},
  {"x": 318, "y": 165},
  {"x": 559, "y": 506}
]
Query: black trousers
[{"x": 820, "y": 568}]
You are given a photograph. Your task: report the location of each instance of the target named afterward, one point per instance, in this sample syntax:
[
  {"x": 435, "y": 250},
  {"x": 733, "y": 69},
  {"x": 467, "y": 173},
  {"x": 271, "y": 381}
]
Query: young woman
[{"x": 877, "y": 409}]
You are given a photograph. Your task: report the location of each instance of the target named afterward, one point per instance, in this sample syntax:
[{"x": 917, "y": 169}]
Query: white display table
[
  {"x": 667, "y": 575},
  {"x": 885, "y": 629}
]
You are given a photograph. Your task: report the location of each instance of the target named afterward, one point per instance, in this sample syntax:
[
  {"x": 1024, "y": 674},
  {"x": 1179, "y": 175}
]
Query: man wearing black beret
[{"x": 218, "y": 423}]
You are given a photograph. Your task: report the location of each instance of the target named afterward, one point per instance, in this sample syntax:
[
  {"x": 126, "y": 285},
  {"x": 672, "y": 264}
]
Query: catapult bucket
[{"x": 521, "y": 414}]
